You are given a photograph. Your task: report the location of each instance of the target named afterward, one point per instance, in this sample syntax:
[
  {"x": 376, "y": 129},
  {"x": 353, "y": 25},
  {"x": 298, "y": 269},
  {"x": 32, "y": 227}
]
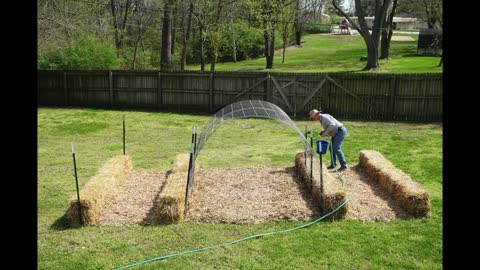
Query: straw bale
[
  {"x": 170, "y": 204},
  {"x": 410, "y": 194},
  {"x": 99, "y": 190},
  {"x": 333, "y": 192}
]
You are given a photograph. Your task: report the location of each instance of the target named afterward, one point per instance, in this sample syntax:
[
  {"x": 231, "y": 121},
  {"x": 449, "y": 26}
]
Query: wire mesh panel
[{"x": 240, "y": 110}]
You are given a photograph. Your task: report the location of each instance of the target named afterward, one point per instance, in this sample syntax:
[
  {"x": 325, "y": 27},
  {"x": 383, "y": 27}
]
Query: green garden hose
[
  {"x": 256, "y": 236},
  {"x": 233, "y": 242}
]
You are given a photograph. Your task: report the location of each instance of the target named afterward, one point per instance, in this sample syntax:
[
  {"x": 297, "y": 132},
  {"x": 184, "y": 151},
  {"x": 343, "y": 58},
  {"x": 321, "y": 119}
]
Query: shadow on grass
[{"x": 63, "y": 223}]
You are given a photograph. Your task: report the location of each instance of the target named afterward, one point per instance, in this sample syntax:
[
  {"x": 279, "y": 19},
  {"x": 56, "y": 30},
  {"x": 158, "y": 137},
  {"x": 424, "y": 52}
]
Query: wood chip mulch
[
  {"x": 133, "y": 203},
  {"x": 248, "y": 195},
  {"x": 369, "y": 201}
]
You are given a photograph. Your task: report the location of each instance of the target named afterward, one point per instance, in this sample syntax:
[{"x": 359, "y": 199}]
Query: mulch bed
[
  {"x": 134, "y": 202},
  {"x": 248, "y": 195},
  {"x": 369, "y": 201}
]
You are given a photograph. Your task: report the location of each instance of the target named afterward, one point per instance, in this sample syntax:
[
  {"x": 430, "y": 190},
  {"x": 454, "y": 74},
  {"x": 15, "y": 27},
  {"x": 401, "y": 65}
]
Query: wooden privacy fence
[{"x": 417, "y": 97}]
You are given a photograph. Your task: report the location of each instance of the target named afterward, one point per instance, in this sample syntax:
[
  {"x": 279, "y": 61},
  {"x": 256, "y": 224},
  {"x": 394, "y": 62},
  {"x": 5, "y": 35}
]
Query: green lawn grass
[
  {"x": 334, "y": 53},
  {"x": 153, "y": 141}
]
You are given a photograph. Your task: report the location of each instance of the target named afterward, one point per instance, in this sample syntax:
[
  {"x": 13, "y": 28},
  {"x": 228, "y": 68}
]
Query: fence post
[
  {"x": 210, "y": 94},
  {"x": 269, "y": 88},
  {"x": 110, "y": 84},
  {"x": 423, "y": 83},
  {"x": 65, "y": 87},
  {"x": 392, "y": 97},
  {"x": 159, "y": 91}
]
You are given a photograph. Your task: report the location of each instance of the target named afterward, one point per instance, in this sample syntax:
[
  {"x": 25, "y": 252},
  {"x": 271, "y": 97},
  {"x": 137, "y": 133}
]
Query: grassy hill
[{"x": 333, "y": 53}]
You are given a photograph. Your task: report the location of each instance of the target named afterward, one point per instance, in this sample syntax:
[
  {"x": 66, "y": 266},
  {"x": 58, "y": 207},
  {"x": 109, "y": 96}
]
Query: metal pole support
[
  {"x": 311, "y": 157},
  {"x": 76, "y": 184},
  {"x": 194, "y": 138},
  {"x": 187, "y": 190},
  {"x": 123, "y": 134},
  {"x": 321, "y": 173},
  {"x": 195, "y": 128},
  {"x": 305, "y": 152}
]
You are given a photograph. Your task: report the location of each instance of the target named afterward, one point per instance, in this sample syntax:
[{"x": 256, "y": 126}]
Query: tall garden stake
[
  {"x": 187, "y": 191},
  {"x": 124, "y": 134},
  {"x": 305, "y": 152},
  {"x": 311, "y": 158},
  {"x": 76, "y": 183},
  {"x": 194, "y": 138},
  {"x": 194, "y": 141}
]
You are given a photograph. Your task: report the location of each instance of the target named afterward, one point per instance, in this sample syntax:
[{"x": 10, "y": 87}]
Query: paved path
[{"x": 336, "y": 30}]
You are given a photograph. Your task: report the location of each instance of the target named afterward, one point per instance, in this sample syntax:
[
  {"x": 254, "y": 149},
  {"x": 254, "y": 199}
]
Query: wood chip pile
[
  {"x": 333, "y": 193},
  {"x": 410, "y": 194},
  {"x": 99, "y": 190}
]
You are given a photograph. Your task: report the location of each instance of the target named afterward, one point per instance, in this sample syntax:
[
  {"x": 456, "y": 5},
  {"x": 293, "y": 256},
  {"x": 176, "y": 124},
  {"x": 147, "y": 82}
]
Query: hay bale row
[
  {"x": 99, "y": 190},
  {"x": 410, "y": 194},
  {"x": 333, "y": 192},
  {"x": 170, "y": 204}
]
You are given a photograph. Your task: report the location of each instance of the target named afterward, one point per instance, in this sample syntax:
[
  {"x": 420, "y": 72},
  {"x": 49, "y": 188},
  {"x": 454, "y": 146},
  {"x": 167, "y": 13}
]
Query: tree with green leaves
[
  {"x": 371, "y": 39},
  {"x": 186, "y": 35},
  {"x": 142, "y": 20},
  {"x": 84, "y": 53},
  {"x": 429, "y": 10},
  {"x": 266, "y": 14},
  {"x": 120, "y": 10}
]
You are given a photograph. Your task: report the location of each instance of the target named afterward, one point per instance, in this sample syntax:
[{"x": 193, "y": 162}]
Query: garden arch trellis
[{"x": 241, "y": 110}]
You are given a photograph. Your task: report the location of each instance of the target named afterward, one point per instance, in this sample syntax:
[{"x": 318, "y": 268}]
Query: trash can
[{"x": 322, "y": 147}]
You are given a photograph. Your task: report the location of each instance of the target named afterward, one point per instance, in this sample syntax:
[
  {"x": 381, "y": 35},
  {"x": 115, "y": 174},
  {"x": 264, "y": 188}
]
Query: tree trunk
[
  {"x": 272, "y": 49},
  {"x": 234, "y": 54},
  {"x": 297, "y": 25},
  {"x": 212, "y": 64},
  {"x": 202, "y": 48},
  {"x": 134, "y": 62},
  {"x": 186, "y": 37},
  {"x": 371, "y": 40},
  {"x": 172, "y": 25},
  {"x": 285, "y": 40},
  {"x": 119, "y": 27},
  {"x": 100, "y": 31},
  {"x": 215, "y": 47},
  {"x": 387, "y": 33},
  {"x": 320, "y": 11},
  {"x": 269, "y": 49},
  {"x": 298, "y": 38},
  {"x": 372, "y": 57},
  {"x": 166, "y": 55}
]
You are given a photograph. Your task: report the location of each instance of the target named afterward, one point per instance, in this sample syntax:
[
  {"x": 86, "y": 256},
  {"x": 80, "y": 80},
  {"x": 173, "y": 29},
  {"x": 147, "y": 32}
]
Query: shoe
[
  {"x": 342, "y": 168},
  {"x": 330, "y": 167}
]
